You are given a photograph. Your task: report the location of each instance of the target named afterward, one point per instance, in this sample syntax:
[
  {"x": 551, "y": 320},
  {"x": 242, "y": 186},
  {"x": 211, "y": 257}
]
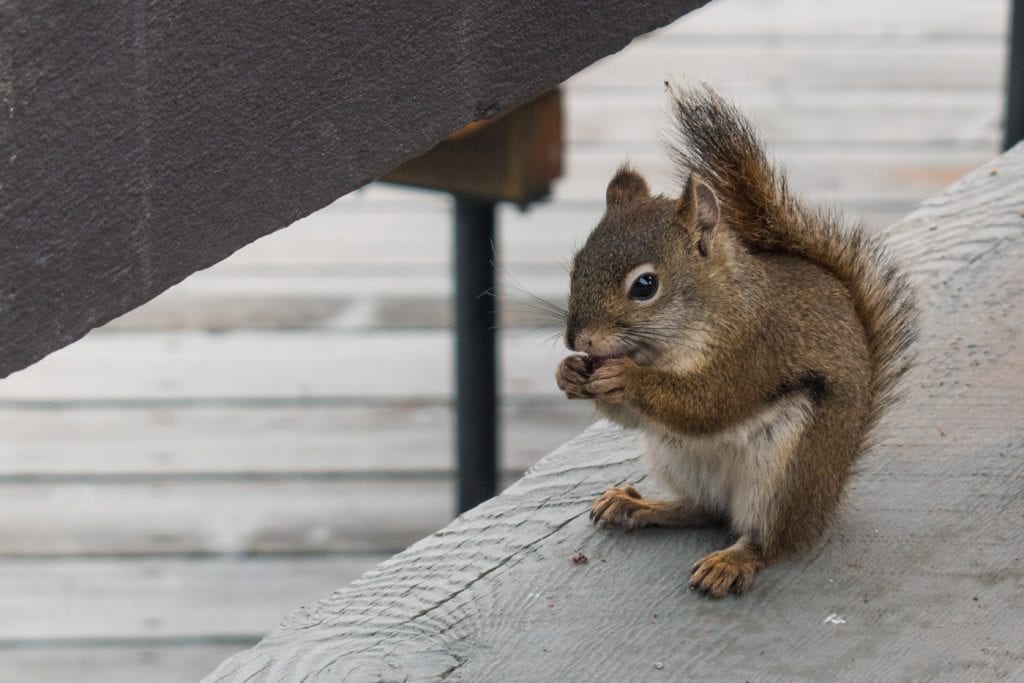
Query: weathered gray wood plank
[
  {"x": 49, "y": 602},
  {"x": 237, "y": 515},
  {"x": 803, "y": 64},
  {"x": 163, "y": 366},
  {"x": 225, "y": 440},
  {"x": 825, "y": 116},
  {"x": 921, "y": 579},
  {"x": 858, "y": 20},
  {"x": 114, "y": 663},
  {"x": 864, "y": 173}
]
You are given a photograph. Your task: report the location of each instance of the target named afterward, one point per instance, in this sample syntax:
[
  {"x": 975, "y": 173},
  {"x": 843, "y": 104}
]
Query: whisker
[
  {"x": 537, "y": 316},
  {"x": 542, "y": 334},
  {"x": 543, "y": 312},
  {"x": 566, "y": 263}
]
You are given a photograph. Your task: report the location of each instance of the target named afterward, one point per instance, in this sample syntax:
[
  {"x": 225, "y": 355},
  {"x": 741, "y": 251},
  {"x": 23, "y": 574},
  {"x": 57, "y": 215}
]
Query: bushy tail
[{"x": 717, "y": 142}]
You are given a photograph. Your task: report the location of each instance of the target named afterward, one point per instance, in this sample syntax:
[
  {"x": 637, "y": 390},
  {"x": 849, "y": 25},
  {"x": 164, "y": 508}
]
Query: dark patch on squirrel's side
[{"x": 812, "y": 383}]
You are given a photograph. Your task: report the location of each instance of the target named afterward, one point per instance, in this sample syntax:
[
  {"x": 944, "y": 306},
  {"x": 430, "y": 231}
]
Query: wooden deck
[
  {"x": 920, "y": 580},
  {"x": 177, "y": 482}
]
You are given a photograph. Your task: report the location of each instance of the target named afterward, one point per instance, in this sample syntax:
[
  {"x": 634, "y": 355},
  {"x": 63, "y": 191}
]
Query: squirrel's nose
[
  {"x": 570, "y": 339},
  {"x": 577, "y": 341}
]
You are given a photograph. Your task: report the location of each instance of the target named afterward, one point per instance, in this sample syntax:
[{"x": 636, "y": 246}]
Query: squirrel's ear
[
  {"x": 698, "y": 207},
  {"x": 625, "y": 186}
]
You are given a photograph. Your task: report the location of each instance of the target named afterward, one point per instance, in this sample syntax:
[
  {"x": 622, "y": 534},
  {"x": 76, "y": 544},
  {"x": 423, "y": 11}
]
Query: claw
[
  {"x": 616, "y": 506},
  {"x": 732, "y": 569}
]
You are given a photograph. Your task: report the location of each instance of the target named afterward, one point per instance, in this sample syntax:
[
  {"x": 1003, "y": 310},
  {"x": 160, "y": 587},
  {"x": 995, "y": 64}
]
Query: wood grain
[
  {"x": 819, "y": 64},
  {"x": 829, "y": 117},
  {"x": 829, "y": 174},
  {"x": 96, "y": 443},
  {"x": 132, "y": 516},
  {"x": 245, "y": 365},
  {"x": 922, "y": 578},
  {"x": 865, "y": 19},
  {"x": 48, "y": 602},
  {"x": 90, "y": 662}
]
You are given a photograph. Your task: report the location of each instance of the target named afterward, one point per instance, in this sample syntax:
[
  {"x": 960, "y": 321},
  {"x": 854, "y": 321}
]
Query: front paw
[
  {"x": 609, "y": 381},
  {"x": 572, "y": 377},
  {"x": 617, "y": 507}
]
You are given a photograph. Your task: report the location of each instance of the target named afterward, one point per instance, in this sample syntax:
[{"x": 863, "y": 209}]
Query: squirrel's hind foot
[{"x": 732, "y": 569}]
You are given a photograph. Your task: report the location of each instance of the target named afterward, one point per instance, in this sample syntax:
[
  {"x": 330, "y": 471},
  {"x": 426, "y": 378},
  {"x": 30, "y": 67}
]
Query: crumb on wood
[
  {"x": 942, "y": 432},
  {"x": 855, "y": 565},
  {"x": 577, "y": 558},
  {"x": 994, "y": 171}
]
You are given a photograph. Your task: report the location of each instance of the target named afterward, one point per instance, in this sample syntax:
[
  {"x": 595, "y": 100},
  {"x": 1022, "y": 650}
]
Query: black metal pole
[
  {"x": 1014, "y": 131},
  {"x": 475, "y": 352}
]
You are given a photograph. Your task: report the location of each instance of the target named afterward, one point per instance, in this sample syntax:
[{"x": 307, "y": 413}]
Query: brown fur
[{"x": 772, "y": 346}]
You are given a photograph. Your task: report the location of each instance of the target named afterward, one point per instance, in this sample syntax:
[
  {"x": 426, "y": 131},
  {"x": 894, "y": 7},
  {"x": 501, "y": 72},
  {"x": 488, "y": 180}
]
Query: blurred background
[{"x": 177, "y": 482}]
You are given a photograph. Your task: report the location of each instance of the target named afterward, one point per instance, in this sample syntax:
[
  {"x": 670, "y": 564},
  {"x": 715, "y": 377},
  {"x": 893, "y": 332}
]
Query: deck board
[
  {"x": 920, "y": 579},
  {"x": 300, "y": 365},
  {"x": 864, "y": 20},
  {"x": 972, "y": 63},
  {"x": 98, "y": 443},
  {"x": 158, "y": 661},
  {"x": 145, "y": 599},
  {"x": 212, "y": 515},
  {"x": 141, "y": 467}
]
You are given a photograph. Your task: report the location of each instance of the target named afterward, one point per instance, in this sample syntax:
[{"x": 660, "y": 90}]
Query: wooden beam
[
  {"x": 140, "y": 143},
  {"x": 513, "y": 157}
]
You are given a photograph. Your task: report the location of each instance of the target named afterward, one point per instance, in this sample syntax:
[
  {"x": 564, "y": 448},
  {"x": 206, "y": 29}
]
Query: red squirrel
[{"x": 754, "y": 341}]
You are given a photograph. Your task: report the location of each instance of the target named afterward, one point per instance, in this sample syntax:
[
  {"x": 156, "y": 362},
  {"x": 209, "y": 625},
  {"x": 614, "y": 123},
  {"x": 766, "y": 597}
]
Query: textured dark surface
[
  {"x": 920, "y": 580},
  {"x": 142, "y": 141}
]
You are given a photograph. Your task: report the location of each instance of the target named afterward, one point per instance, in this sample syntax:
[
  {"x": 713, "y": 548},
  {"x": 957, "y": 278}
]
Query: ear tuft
[
  {"x": 626, "y": 186},
  {"x": 698, "y": 208}
]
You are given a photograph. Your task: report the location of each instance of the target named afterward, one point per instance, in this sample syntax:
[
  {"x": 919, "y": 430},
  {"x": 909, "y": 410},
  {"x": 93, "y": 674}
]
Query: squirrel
[{"x": 753, "y": 340}]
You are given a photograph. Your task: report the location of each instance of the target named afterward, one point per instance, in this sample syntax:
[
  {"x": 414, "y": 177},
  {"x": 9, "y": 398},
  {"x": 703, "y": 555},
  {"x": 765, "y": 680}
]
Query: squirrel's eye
[{"x": 644, "y": 287}]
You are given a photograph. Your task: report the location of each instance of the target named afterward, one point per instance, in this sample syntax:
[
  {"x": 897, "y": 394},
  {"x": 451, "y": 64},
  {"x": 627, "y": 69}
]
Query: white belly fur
[{"x": 735, "y": 471}]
